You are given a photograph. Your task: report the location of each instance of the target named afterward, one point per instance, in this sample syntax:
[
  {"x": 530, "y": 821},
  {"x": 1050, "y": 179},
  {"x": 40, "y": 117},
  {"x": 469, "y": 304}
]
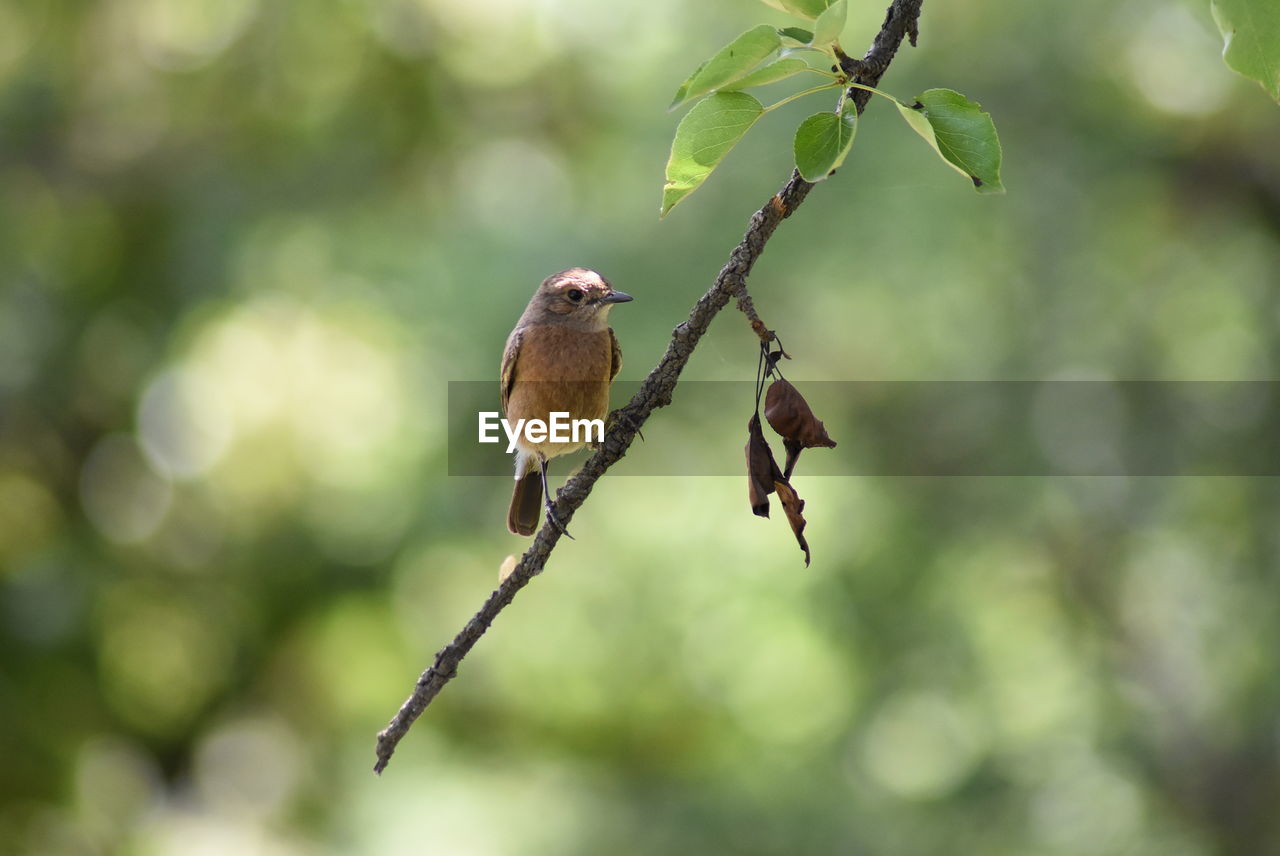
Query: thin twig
[
  {"x": 655, "y": 392},
  {"x": 901, "y": 21}
]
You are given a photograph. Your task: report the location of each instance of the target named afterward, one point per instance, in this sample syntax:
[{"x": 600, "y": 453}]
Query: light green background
[{"x": 244, "y": 245}]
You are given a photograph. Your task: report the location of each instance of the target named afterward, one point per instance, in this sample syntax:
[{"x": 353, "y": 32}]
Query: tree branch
[{"x": 900, "y": 22}]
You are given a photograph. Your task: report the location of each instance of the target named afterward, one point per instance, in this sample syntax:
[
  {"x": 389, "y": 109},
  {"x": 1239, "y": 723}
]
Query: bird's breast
[
  {"x": 555, "y": 353},
  {"x": 561, "y": 370}
]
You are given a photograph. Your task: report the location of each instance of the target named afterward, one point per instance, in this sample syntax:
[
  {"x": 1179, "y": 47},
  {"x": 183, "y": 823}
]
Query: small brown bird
[{"x": 560, "y": 358}]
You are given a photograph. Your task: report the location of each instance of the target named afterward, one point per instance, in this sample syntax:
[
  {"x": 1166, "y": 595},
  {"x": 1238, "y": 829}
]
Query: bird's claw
[{"x": 554, "y": 520}]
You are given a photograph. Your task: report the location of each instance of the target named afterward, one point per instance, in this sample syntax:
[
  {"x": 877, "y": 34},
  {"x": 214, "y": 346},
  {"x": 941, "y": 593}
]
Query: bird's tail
[{"x": 526, "y": 503}]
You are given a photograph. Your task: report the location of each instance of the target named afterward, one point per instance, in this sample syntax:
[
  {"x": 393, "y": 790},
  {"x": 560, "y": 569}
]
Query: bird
[{"x": 561, "y": 357}]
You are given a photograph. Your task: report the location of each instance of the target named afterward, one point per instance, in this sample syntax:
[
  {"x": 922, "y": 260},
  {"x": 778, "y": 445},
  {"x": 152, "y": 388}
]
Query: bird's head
[{"x": 577, "y": 296}]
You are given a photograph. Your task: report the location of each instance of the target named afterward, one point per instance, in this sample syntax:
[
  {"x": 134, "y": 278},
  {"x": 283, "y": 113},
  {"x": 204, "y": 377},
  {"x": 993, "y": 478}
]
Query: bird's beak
[{"x": 617, "y": 297}]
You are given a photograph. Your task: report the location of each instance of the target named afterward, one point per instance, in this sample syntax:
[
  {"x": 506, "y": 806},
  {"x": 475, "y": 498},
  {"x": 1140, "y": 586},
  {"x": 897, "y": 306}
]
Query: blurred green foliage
[{"x": 244, "y": 246}]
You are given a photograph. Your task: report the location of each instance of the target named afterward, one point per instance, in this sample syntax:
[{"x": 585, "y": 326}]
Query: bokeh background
[{"x": 244, "y": 247}]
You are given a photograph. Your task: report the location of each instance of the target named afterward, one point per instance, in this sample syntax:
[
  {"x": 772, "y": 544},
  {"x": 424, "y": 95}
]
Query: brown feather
[
  {"x": 526, "y": 504},
  {"x": 507, "y": 374},
  {"x": 616, "y": 354}
]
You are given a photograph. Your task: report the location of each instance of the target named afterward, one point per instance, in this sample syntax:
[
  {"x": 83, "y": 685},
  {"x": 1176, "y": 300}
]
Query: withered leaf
[
  {"x": 791, "y": 416},
  {"x": 762, "y": 469},
  {"x": 793, "y": 505},
  {"x": 793, "y": 455}
]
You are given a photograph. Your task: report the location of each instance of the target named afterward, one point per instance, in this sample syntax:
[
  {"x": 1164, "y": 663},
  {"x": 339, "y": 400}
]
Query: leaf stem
[
  {"x": 875, "y": 91},
  {"x": 791, "y": 98},
  {"x": 831, "y": 74},
  {"x": 814, "y": 48}
]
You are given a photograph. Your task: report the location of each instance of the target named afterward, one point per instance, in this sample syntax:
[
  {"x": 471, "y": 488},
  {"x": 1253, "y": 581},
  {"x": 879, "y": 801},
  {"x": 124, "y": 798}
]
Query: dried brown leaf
[
  {"x": 762, "y": 469},
  {"x": 793, "y": 505},
  {"x": 791, "y": 416},
  {"x": 793, "y": 454}
]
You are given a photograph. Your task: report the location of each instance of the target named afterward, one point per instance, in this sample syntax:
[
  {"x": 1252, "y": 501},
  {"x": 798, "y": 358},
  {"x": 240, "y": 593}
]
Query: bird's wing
[
  {"x": 507, "y": 377},
  {"x": 615, "y": 355}
]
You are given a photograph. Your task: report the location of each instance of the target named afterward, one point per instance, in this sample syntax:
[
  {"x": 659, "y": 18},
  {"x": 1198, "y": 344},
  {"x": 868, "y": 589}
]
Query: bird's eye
[{"x": 574, "y": 295}]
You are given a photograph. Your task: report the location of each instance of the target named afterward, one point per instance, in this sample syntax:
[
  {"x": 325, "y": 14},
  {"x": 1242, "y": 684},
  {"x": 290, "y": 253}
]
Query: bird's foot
[{"x": 554, "y": 520}]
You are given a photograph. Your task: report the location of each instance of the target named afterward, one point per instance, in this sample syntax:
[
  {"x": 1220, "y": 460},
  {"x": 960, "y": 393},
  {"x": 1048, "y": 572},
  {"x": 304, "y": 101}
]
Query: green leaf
[
  {"x": 823, "y": 140},
  {"x": 830, "y": 24},
  {"x": 770, "y": 73},
  {"x": 682, "y": 94},
  {"x": 804, "y": 8},
  {"x": 731, "y": 62},
  {"x": 703, "y": 137},
  {"x": 799, "y": 34},
  {"x": 1251, "y": 30},
  {"x": 961, "y": 133}
]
